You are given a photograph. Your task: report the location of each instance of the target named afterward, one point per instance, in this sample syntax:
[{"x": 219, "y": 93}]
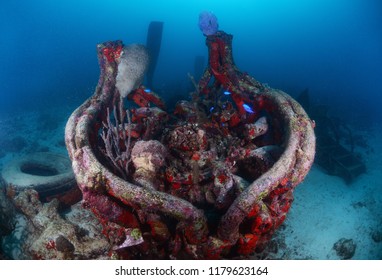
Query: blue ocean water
[
  {"x": 333, "y": 47},
  {"x": 47, "y": 50}
]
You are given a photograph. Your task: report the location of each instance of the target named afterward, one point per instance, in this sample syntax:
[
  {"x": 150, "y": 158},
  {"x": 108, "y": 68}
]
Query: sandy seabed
[{"x": 325, "y": 208}]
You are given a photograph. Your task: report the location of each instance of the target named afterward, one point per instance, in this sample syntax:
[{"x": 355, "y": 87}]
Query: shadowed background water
[
  {"x": 48, "y": 67},
  {"x": 333, "y": 47}
]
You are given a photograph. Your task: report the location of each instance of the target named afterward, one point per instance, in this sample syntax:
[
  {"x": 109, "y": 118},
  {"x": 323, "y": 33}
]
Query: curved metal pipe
[
  {"x": 294, "y": 163},
  {"x": 91, "y": 175}
]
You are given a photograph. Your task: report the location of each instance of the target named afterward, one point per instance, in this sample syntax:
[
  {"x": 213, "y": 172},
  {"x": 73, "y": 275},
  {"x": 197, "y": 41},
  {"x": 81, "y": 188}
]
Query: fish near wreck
[{"x": 209, "y": 183}]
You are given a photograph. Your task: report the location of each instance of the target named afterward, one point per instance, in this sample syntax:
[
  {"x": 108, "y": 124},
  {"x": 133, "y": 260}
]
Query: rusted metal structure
[{"x": 213, "y": 179}]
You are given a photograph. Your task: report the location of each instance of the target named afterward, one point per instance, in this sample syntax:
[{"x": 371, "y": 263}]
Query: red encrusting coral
[{"x": 212, "y": 179}]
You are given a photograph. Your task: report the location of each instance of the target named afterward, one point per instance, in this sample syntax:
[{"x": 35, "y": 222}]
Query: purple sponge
[{"x": 208, "y": 23}]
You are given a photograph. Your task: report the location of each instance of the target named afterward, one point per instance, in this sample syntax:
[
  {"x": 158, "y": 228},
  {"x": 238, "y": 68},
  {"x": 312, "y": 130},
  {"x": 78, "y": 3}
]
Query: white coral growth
[{"x": 131, "y": 68}]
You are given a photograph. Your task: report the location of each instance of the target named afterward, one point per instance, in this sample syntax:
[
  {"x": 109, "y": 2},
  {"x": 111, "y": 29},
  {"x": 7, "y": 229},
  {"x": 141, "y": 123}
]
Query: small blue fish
[
  {"x": 248, "y": 109},
  {"x": 227, "y": 92},
  {"x": 147, "y": 90},
  {"x": 211, "y": 109}
]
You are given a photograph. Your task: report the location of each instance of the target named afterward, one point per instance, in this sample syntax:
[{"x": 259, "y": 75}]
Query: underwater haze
[
  {"x": 332, "y": 47},
  {"x": 326, "y": 54}
]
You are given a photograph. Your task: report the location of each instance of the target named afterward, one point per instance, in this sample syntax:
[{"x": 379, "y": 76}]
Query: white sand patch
[{"x": 326, "y": 209}]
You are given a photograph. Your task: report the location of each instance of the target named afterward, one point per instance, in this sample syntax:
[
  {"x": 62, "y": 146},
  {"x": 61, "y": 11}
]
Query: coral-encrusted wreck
[{"x": 212, "y": 179}]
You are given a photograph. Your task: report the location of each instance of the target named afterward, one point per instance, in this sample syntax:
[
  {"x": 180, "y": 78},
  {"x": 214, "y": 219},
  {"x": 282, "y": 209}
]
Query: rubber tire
[{"x": 61, "y": 181}]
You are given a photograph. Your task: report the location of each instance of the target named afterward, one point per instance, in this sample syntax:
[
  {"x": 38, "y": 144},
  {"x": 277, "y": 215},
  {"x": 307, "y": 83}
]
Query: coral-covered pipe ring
[
  {"x": 94, "y": 178},
  {"x": 288, "y": 171},
  {"x": 144, "y": 214}
]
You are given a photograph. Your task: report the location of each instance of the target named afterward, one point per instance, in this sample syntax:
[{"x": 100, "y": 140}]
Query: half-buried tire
[{"x": 50, "y": 174}]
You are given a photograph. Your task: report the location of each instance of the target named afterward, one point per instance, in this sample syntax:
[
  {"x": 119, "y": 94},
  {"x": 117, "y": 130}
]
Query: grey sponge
[{"x": 132, "y": 67}]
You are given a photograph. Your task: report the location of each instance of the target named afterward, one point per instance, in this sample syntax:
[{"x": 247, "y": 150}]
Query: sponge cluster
[
  {"x": 132, "y": 67},
  {"x": 208, "y": 23}
]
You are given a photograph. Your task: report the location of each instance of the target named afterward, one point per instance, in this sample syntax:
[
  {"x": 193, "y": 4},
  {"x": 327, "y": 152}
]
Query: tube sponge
[
  {"x": 132, "y": 67},
  {"x": 208, "y": 23}
]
